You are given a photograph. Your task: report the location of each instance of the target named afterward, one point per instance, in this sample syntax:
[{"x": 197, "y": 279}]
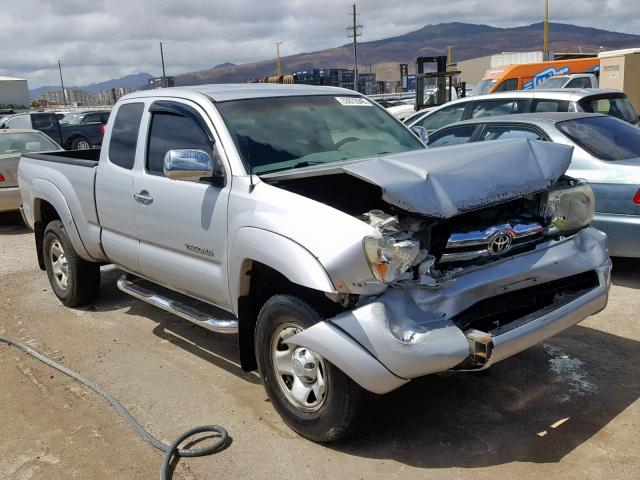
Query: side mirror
[
  {"x": 193, "y": 166},
  {"x": 421, "y": 133}
]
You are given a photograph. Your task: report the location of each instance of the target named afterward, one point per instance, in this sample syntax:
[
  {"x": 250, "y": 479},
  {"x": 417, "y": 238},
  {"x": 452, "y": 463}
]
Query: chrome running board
[{"x": 177, "y": 308}]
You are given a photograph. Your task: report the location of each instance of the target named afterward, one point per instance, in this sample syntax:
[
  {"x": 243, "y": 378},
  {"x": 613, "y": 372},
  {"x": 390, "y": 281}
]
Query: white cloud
[{"x": 111, "y": 38}]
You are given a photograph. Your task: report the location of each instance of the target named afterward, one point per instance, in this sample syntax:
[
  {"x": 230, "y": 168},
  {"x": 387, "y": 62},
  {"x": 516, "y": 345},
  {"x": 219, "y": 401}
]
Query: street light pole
[
  {"x": 164, "y": 76},
  {"x": 64, "y": 94}
]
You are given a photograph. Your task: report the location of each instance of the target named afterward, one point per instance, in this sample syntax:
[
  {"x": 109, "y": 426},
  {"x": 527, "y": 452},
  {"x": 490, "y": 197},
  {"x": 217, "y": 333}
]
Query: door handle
[{"x": 143, "y": 197}]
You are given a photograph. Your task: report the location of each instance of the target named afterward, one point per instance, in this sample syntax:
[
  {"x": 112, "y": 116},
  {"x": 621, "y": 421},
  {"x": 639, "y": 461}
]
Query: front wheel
[
  {"x": 311, "y": 395},
  {"x": 74, "y": 280}
]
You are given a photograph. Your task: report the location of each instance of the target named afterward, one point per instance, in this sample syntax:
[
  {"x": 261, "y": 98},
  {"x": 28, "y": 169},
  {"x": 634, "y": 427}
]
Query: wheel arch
[
  {"x": 263, "y": 264},
  {"x": 49, "y": 204}
]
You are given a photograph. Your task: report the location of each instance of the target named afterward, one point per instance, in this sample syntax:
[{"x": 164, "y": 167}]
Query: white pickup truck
[{"x": 346, "y": 256}]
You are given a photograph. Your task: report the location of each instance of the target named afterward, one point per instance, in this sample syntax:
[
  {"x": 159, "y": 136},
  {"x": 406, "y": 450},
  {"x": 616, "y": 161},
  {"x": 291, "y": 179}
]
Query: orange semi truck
[{"x": 527, "y": 75}]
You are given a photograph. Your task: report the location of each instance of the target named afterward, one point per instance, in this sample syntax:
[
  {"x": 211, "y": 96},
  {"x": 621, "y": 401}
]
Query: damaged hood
[{"x": 448, "y": 181}]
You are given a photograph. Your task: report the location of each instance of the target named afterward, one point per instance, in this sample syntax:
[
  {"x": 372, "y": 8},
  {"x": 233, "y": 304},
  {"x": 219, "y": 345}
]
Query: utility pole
[
  {"x": 546, "y": 31},
  {"x": 64, "y": 94},
  {"x": 354, "y": 31},
  {"x": 164, "y": 75},
  {"x": 278, "y": 66}
]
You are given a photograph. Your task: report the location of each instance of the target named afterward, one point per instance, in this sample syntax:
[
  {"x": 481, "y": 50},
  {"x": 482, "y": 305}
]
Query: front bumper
[
  {"x": 9, "y": 199},
  {"x": 409, "y": 332},
  {"x": 622, "y": 232}
]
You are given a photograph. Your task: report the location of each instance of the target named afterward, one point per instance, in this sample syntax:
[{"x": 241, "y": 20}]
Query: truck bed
[{"x": 64, "y": 179}]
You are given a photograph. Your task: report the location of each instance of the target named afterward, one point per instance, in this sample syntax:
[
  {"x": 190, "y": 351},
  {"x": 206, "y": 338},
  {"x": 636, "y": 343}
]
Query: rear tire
[
  {"x": 314, "y": 398},
  {"x": 80, "y": 143},
  {"x": 74, "y": 280}
]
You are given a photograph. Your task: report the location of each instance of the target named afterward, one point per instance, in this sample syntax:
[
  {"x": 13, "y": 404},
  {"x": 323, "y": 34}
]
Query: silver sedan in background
[
  {"x": 14, "y": 143},
  {"x": 606, "y": 154}
]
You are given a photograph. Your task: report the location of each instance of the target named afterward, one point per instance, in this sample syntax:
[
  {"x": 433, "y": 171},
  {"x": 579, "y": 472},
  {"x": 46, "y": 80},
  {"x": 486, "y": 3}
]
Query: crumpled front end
[{"x": 479, "y": 316}]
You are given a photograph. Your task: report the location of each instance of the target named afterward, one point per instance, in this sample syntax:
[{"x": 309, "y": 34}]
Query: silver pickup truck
[{"x": 346, "y": 256}]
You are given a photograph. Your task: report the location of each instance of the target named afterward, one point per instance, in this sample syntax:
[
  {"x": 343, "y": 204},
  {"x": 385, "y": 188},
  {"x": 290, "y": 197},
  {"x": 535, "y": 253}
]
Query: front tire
[
  {"x": 74, "y": 280},
  {"x": 312, "y": 396}
]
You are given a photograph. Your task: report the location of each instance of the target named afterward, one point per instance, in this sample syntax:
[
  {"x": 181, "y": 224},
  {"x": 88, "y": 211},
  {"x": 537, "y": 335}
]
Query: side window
[
  {"x": 104, "y": 117},
  {"x": 173, "y": 132},
  {"x": 504, "y": 132},
  {"x": 452, "y": 136},
  {"x": 443, "y": 117},
  {"x": 93, "y": 117},
  {"x": 492, "y": 108},
  {"x": 21, "y": 121},
  {"x": 580, "y": 82},
  {"x": 124, "y": 135},
  {"x": 42, "y": 121},
  {"x": 550, "y": 106},
  {"x": 508, "y": 85}
]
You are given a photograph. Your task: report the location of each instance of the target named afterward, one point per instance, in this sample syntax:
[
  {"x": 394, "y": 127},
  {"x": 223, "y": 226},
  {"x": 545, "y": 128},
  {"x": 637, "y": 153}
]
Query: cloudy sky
[{"x": 103, "y": 39}]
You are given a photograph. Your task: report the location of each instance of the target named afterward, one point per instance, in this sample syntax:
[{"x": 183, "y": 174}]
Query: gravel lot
[{"x": 566, "y": 409}]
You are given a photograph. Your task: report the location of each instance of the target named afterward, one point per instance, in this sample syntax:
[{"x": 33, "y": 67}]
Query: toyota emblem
[{"x": 500, "y": 244}]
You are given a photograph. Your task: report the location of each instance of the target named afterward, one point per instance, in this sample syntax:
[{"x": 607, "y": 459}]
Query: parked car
[
  {"x": 76, "y": 118},
  {"x": 611, "y": 102},
  {"x": 576, "y": 80},
  {"x": 14, "y": 143},
  {"x": 345, "y": 255},
  {"x": 71, "y": 137},
  {"x": 606, "y": 154}
]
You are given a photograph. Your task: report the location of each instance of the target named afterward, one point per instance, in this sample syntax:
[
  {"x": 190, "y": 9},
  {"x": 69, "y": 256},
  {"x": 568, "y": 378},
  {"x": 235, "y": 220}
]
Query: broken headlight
[
  {"x": 389, "y": 257},
  {"x": 570, "y": 208}
]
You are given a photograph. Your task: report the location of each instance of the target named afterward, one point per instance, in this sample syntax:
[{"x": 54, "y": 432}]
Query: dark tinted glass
[
  {"x": 606, "y": 138},
  {"x": 43, "y": 120},
  {"x": 505, "y": 132},
  {"x": 618, "y": 106},
  {"x": 451, "y": 136},
  {"x": 124, "y": 136},
  {"x": 173, "y": 132},
  {"x": 492, "y": 108},
  {"x": 508, "y": 85},
  {"x": 580, "y": 82},
  {"x": 550, "y": 106},
  {"x": 443, "y": 117}
]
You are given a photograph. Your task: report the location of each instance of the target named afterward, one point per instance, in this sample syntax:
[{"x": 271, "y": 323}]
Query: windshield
[
  {"x": 606, "y": 138},
  {"x": 24, "y": 142},
  {"x": 279, "y": 133},
  {"x": 484, "y": 86},
  {"x": 618, "y": 106},
  {"x": 72, "y": 119},
  {"x": 553, "y": 82}
]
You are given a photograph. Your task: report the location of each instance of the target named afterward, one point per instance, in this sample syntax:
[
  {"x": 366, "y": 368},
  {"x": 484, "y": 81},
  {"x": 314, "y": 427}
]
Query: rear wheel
[
  {"x": 80, "y": 143},
  {"x": 311, "y": 395},
  {"x": 74, "y": 280}
]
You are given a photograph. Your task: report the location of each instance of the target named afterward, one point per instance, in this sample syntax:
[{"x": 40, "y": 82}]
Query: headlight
[
  {"x": 571, "y": 208},
  {"x": 389, "y": 257}
]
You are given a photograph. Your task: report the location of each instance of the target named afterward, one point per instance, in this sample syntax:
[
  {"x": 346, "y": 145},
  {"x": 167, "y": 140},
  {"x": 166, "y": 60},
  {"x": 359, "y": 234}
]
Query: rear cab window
[{"x": 124, "y": 135}]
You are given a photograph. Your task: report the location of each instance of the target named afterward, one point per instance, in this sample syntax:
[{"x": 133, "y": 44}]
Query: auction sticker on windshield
[{"x": 354, "y": 101}]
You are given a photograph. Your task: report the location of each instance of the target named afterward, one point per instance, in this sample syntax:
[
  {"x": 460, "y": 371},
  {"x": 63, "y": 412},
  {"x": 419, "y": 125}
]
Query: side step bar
[{"x": 177, "y": 308}]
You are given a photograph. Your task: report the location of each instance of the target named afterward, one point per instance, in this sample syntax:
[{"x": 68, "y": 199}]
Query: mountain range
[
  {"x": 382, "y": 56},
  {"x": 129, "y": 81}
]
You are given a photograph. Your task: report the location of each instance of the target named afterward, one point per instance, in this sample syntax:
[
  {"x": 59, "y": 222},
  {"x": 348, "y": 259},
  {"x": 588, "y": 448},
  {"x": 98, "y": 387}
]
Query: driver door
[{"x": 182, "y": 225}]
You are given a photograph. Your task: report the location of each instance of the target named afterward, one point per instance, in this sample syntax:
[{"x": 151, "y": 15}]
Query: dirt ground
[{"x": 567, "y": 409}]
